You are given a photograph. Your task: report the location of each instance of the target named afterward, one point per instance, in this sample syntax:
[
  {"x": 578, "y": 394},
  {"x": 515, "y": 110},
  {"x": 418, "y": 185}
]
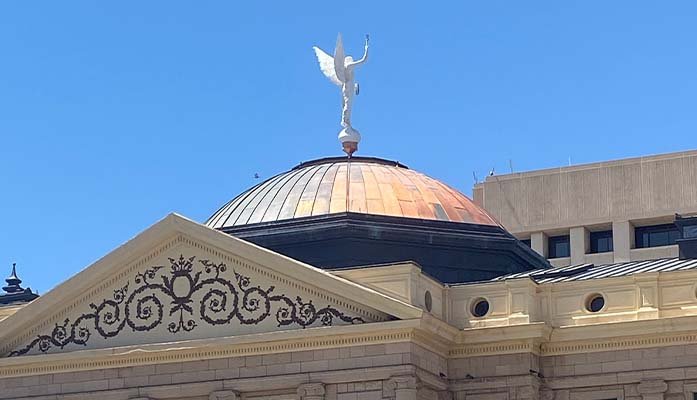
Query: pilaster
[
  {"x": 224, "y": 395},
  {"x": 647, "y": 286},
  {"x": 538, "y": 242},
  {"x": 401, "y": 388},
  {"x": 622, "y": 240},
  {"x": 652, "y": 389},
  {"x": 579, "y": 242},
  {"x": 311, "y": 391}
]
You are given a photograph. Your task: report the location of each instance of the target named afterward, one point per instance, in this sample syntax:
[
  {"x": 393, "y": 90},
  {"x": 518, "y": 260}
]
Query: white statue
[{"x": 339, "y": 70}]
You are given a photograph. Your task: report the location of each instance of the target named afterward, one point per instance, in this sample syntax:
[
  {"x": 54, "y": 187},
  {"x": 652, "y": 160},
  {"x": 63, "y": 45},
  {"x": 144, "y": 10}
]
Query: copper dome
[{"x": 375, "y": 186}]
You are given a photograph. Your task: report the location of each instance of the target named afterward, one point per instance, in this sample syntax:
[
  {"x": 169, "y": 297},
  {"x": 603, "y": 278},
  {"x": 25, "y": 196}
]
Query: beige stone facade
[
  {"x": 577, "y": 200},
  {"x": 417, "y": 338}
]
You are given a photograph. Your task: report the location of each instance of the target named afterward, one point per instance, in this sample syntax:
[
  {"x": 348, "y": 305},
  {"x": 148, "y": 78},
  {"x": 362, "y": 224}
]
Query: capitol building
[{"x": 358, "y": 278}]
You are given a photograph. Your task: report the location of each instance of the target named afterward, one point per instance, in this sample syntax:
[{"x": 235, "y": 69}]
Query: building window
[
  {"x": 595, "y": 303},
  {"x": 480, "y": 307},
  {"x": 688, "y": 232},
  {"x": 655, "y": 235},
  {"x": 526, "y": 242},
  {"x": 558, "y": 246},
  {"x": 601, "y": 242}
]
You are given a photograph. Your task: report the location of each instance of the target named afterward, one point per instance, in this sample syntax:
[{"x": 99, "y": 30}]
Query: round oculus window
[
  {"x": 428, "y": 301},
  {"x": 480, "y": 307},
  {"x": 595, "y": 303}
]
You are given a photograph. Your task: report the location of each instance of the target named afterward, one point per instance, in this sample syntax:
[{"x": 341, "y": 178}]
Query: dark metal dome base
[{"x": 450, "y": 252}]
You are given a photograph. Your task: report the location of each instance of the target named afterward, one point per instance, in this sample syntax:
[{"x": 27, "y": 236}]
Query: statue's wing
[
  {"x": 339, "y": 58},
  {"x": 326, "y": 64}
]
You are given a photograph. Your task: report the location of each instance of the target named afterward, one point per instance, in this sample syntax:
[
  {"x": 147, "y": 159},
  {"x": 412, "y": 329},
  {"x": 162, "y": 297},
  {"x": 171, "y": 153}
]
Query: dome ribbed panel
[{"x": 363, "y": 185}]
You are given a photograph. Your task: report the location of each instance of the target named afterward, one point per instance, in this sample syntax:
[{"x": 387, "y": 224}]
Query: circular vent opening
[
  {"x": 480, "y": 307},
  {"x": 595, "y": 303}
]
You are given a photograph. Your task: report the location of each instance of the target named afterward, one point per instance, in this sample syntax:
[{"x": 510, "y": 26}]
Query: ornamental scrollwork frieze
[{"x": 184, "y": 295}]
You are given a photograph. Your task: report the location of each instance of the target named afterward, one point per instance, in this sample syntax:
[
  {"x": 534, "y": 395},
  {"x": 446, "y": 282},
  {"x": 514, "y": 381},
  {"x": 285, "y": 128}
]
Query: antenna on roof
[
  {"x": 492, "y": 172},
  {"x": 474, "y": 175},
  {"x": 510, "y": 164}
]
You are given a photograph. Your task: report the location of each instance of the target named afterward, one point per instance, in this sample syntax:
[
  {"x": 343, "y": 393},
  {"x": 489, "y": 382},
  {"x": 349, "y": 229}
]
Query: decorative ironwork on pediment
[{"x": 183, "y": 298}]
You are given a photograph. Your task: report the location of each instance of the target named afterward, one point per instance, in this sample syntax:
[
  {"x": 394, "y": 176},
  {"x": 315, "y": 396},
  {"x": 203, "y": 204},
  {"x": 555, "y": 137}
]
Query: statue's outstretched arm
[{"x": 365, "y": 54}]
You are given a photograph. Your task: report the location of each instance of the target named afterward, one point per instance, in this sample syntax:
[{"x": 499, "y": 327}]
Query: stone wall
[
  {"x": 495, "y": 377},
  {"x": 351, "y": 373},
  {"x": 387, "y": 371},
  {"x": 654, "y": 373},
  {"x": 665, "y": 373}
]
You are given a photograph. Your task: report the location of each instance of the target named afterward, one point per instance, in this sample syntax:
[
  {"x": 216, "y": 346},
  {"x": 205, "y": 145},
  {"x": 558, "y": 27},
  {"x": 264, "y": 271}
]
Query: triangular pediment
[{"x": 181, "y": 281}]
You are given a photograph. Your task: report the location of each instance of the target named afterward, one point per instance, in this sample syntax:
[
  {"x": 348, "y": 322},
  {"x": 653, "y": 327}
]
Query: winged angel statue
[{"x": 339, "y": 70}]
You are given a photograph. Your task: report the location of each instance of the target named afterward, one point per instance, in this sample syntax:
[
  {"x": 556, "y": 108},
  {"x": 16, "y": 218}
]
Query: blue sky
[{"x": 114, "y": 114}]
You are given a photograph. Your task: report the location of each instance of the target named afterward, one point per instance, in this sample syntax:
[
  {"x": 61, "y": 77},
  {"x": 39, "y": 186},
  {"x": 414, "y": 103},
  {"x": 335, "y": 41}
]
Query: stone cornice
[
  {"x": 535, "y": 330},
  {"x": 487, "y": 349},
  {"x": 609, "y": 331},
  {"x": 427, "y": 332},
  {"x": 489, "y": 383},
  {"x": 618, "y": 343},
  {"x": 509, "y": 339},
  {"x": 238, "y": 346},
  {"x": 541, "y": 339}
]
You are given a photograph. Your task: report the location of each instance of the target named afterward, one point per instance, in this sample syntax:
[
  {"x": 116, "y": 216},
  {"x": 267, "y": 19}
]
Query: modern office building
[{"x": 599, "y": 213}]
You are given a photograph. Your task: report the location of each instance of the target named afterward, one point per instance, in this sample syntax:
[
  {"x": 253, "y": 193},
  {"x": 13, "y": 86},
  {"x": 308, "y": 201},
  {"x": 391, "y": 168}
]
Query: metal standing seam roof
[
  {"x": 584, "y": 272},
  {"x": 361, "y": 185}
]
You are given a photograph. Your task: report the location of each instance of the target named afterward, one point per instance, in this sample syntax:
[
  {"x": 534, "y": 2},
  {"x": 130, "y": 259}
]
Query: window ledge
[{"x": 648, "y": 253}]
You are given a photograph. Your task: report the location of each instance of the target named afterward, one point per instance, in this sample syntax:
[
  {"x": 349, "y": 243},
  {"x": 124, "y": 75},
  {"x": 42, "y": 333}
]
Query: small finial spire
[
  {"x": 349, "y": 139},
  {"x": 14, "y": 292},
  {"x": 13, "y": 282}
]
